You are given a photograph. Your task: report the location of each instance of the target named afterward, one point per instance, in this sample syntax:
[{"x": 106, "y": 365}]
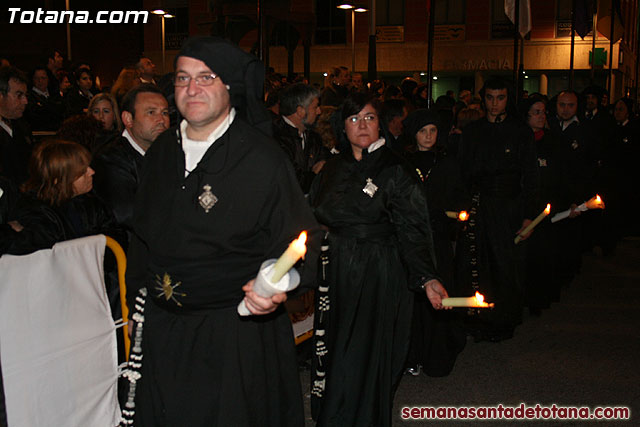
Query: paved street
[{"x": 581, "y": 352}]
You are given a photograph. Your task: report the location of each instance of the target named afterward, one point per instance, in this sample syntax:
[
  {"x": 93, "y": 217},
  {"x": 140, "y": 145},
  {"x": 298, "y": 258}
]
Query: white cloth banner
[
  {"x": 57, "y": 337},
  {"x": 524, "y": 25}
]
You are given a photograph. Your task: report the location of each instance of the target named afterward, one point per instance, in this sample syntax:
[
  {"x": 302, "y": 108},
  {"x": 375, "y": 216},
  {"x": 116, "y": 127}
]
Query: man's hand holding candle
[{"x": 258, "y": 305}]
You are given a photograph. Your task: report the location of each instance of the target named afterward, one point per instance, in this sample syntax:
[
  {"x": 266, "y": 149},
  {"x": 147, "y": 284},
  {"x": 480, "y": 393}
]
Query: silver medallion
[
  {"x": 207, "y": 199},
  {"x": 370, "y": 189}
]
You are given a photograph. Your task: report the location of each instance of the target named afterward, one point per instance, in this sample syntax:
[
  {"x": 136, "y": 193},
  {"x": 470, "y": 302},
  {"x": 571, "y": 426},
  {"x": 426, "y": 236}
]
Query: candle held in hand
[
  {"x": 460, "y": 216},
  {"x": 595, "y": 203},
  {"x": 476, "y": 301},
  {"x": 294, "y": 252},
  {"x": 533, "y": 223}
]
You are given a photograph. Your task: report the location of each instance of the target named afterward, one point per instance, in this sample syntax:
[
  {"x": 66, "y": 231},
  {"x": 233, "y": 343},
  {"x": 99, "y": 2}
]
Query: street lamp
[
  {"x": 353, "y": 9},
  {"x": 164, "y": 15}
]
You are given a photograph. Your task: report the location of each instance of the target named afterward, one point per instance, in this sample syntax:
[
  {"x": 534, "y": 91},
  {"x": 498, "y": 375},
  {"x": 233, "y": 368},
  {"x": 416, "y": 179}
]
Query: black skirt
[{"x": 214, "y": 368}]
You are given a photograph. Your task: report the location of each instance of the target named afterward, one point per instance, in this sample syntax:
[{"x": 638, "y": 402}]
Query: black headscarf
[
  {"x": 242, "y": 72},
  {"x": 418, "y": 119}
]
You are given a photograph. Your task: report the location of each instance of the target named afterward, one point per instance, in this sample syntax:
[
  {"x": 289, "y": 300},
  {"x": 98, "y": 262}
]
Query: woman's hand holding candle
[
  {"x": 436, "y": 293},
  {"x": 476, "y": 301},
  {"x": 294, "y": 252}
]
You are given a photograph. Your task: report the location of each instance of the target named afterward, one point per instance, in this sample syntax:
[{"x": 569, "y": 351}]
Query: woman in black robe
[
  {"x": 380, "y": 249},
  {"x": 436, "y": 337}
]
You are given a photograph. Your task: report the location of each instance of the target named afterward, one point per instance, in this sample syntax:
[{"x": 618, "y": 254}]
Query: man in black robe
[
  {"x": 216, "y": 198},
  {"x": 498, "y": 162}
]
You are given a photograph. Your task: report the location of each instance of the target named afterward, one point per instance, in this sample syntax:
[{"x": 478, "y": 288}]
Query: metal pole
[
  {"x": 353, "y": 41},
  {"x": 516, "y": 38},
  {"x": 68, "y": 34},
  {"x": 635, "y": 95},
  {"x": 164, "y": 66},
  {"x": 594, "y": 32},
  {"x": 372, "y": 69},
  {"x": 260, "y": 31},
  {"x": 613, "y": 20},
  {"x": 432, "y": 8},
  {"x": 573, "y": 41}
]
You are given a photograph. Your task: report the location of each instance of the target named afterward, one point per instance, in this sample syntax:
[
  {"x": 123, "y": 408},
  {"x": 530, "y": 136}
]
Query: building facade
[{"x": 473, "y": 40}]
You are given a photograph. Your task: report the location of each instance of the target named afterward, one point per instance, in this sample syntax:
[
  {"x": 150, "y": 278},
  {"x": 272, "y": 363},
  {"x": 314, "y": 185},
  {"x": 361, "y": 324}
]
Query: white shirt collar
[
  {"x": 195, "y": 150},
  {"x": 375, "y": 145},
  {"x": 290, "y": 123},
  {"x": 6, "y": 127},
  {"x": 133, "y": 143},
  {"x": 39, "y": 92},
  {"x": 565, "y": 123},
  {"x": 216, "y": 133}
]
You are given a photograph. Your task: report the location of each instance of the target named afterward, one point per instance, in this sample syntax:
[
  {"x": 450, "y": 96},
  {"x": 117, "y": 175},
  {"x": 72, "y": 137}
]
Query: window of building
[
  {"x": 501, "y": 27},
  {"x": 450, "y": 12},
  {"x": 331, "y": 28},
  {"x": 389, "y": 12}
]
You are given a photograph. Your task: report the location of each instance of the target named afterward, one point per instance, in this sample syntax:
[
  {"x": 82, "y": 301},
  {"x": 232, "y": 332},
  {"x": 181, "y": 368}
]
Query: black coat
[
  {"x": 15, "y": 152},
  {"x": 45, "y": 225},
  {"x": 303, "y": 159},
  {"x": 118, "y": 166},
  {"x": 75, "y": 102},
  {"x": 44, "y": 113},
  {"x": 333, "y": 95}
]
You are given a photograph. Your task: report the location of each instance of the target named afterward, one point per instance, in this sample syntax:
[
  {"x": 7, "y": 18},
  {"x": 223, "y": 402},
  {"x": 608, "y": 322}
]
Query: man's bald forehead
[{"x": 566, "y": 94}]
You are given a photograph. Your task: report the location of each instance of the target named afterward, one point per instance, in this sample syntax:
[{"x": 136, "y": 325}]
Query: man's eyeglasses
[
  {"x": 182, "y": 80},
  {"x": 353, "y": 120}
]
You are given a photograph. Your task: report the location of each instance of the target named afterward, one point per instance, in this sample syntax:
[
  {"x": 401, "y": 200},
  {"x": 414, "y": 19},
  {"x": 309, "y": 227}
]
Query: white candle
[
  {"x": 294, "y": 252},
  {"x": 476, "y": 302},
  {"x": 593, "y": 203},
  {"x": 533, "y": 223}
]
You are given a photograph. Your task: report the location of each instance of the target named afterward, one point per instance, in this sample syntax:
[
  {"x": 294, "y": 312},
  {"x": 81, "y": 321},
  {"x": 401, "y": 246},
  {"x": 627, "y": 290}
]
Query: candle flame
[
  {"x": 463, "y": 216},
  {"x": 598, "y": 199},
  {"x": 302, "y": 239},
  {"x": 548, "y": 209},
  {"x": 479, "y": 298}
]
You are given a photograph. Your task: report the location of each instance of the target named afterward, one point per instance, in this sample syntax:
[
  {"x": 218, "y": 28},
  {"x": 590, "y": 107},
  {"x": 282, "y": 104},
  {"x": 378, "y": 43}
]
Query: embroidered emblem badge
[
  {"x": 574, "y": 144},
  {"x": 207, "y": 199},
  {"x": 370, "y": 189},
  {"x": 167, "y": 289}
]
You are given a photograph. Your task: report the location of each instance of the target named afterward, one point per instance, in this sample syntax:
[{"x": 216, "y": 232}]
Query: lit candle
[
  {"x": 593, "y": 203},
  {"x": 460, "y": 216},
  {"x": 476, "y": 301},
  {"x": 533, "y": 223},
  {"x": 294, "y": 252}
]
